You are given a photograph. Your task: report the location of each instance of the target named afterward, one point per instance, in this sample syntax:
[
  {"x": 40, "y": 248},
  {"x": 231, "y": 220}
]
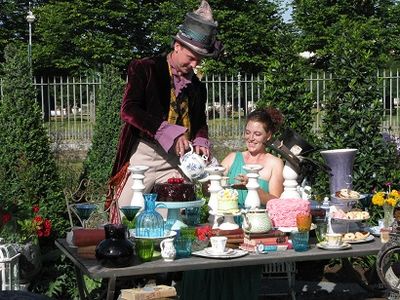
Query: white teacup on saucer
[
  {"x": 333, "y": 239},
  {"x": 218, "y": 244}
]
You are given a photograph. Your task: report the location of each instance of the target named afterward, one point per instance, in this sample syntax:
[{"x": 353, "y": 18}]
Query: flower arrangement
[
  {"x": 388, "y": 201},
  {"x": 203, "y": 234},
  {"x": 392, "y": 197},
  {"x": 19, "y": 227}
]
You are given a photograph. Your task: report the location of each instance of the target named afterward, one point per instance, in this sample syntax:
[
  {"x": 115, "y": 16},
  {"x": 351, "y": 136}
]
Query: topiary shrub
[
  {"x": 28, "y": 173},
  {"x": 101, "y": 155}
]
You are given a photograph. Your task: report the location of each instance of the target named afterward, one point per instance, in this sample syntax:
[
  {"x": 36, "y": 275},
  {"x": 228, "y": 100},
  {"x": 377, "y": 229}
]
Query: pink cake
[{"x": 283, "y": 212}]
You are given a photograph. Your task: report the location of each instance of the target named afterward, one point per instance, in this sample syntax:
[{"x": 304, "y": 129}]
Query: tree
[
  {"x": 28, "y": 173},
  {"x": 349, "y": 39},
  {"x": 100, "y": 159},
  {"x": 73, "y": 36},
  {"x": 316, "y": 21},
  {"x": 285, "y": 87}
]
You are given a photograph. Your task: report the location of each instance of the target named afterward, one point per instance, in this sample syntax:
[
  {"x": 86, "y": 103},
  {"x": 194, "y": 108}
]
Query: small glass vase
[
  {"x": 388, "y": 215},
  {"x": 149, "y": 223},
  {"x": 198, "y": 245}
]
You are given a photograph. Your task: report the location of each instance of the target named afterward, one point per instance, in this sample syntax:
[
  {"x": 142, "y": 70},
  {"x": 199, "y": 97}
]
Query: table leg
[
  {"x": 111, "y": 288},
  {"x": 81, "y": 283}
]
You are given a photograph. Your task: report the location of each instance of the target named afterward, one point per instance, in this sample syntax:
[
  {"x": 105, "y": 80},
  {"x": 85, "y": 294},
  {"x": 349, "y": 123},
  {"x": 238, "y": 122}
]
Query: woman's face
[{"x": 256, "y": 136}]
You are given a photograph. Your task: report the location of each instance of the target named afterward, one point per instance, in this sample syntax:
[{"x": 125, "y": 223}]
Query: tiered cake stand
[{"x": 174, "y": 220}]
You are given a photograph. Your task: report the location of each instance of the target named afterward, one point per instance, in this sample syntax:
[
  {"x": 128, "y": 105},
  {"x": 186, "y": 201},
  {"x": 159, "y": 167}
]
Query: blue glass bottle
[{"x": 149, "y": 223}]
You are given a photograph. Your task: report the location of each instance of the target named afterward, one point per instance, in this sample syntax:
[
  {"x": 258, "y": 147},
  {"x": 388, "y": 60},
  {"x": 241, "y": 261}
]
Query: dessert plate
[
  {"x": 236, "y": 253},
  {"x": 169, "y": 235},
  {"x": 324, "y": 245},
  {"x": 367, "y": 239},
  {"x": 211, "y": 251},
  {"x": 294, "y": 228}
]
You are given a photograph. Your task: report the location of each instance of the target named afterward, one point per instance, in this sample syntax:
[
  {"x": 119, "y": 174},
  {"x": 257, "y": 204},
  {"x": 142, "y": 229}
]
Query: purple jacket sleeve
[{"x": 167, "y": 133}]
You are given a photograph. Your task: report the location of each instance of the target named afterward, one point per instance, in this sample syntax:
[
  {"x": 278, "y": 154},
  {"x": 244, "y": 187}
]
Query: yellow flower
[
  {"x": 381, "y": 198},
  {"x": 378, "y": 198}
]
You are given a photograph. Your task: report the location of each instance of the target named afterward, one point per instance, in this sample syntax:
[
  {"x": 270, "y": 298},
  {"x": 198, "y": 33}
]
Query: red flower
[
  {"x": 47, "y": 224},
  {"x": 203, "y": 232},
  {"x": 35, "y": 208},
  {"x": 38, "y": 220},
  {"x": 6, "y": 217}
]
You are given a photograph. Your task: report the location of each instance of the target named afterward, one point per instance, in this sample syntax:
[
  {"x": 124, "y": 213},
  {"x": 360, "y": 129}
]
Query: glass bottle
[{"x": 149, "y": 223}]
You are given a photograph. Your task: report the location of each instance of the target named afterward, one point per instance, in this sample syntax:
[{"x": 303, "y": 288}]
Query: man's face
[{"x": 185, "y": 59}]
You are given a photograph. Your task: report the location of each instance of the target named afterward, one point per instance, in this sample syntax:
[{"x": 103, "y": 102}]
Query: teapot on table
[
  {"x": 256, "y": 221},
  {"x": 193, "y": 164}
]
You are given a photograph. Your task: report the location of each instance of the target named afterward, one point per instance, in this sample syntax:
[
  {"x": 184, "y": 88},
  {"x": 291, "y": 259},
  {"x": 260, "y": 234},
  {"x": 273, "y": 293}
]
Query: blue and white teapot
[{"x": 193, "y": 164}]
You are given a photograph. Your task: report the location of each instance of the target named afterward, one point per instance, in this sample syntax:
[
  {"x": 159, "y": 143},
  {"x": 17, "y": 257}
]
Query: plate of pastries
[{"x": 357, "y": 237}]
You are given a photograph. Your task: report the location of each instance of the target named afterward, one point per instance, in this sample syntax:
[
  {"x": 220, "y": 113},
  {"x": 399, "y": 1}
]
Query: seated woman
[
  {"x": 260, "y": 126},
  {"x": 242, "y": 282}
]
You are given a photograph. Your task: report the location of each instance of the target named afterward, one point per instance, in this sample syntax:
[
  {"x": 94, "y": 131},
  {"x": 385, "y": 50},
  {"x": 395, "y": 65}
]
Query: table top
[{"x": 93, "y": 269}]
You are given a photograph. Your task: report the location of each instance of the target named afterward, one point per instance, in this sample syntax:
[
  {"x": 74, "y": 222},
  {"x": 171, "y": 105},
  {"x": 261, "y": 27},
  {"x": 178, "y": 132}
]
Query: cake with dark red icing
[{"x": 175, "y": 190}]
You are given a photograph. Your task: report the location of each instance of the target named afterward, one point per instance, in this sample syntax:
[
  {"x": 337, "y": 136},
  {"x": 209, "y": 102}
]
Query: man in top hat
[{"x": 163, "y": 107}]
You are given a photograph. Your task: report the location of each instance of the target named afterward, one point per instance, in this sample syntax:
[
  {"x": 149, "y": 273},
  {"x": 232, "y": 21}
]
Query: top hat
[
  {"x": 293, "y": 148},
  {"x": 198, "y": 32}
]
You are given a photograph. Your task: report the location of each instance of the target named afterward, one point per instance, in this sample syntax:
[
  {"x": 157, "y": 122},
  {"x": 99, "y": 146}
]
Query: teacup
[
  {"x": 333, "y": 239},
  {"x": 218, "y": 243},
  {"x": 192, "y": 164}
]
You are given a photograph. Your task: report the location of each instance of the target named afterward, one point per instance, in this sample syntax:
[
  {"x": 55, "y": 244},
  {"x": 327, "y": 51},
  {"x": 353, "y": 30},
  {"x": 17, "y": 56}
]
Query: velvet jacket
[{"x": 146, "y": 102}]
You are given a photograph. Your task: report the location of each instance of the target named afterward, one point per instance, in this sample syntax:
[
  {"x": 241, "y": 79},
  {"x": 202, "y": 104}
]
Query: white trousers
[{"x": 161, "y": 167}]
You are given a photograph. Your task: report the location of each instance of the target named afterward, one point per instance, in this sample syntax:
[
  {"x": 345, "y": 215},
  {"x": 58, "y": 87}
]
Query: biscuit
[{"x": 349, "y": 236}]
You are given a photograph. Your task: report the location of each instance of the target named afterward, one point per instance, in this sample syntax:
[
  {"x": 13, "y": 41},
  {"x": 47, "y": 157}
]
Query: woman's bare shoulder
[
  {"x": 274, "y": 160},
  {"x": 228, "y": 160}
]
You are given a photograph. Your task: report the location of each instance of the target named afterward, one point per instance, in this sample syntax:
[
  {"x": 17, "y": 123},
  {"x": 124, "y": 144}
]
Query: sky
[{"x": 288, "y": 12}]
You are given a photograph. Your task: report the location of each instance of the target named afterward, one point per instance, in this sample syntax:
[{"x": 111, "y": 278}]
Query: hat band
[
  {"x": 184, "y": 38},
  {"x": 196, "y": 36}
]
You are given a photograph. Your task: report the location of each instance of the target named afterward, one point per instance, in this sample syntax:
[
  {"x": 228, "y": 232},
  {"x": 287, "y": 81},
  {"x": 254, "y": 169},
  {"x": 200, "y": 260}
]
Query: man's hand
[
  {"x": 202, "y": 151},
  {"x": 181, "y": 144}
]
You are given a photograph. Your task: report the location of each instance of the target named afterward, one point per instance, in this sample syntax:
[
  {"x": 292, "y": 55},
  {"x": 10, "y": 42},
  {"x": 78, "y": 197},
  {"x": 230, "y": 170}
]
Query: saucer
[
  {"x": 211, "y": 251},
  {"x": 236, "y": 253},
  {"x": 324, "y": 245},
  {"x": 375, "y": 230}
]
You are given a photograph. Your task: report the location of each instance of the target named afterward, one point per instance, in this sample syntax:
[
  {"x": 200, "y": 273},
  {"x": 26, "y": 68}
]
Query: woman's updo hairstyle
[{"x": 270, "y": 117}]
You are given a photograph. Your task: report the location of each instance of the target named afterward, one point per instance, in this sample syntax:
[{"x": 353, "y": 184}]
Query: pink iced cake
[{"x": 283, "y": 212}]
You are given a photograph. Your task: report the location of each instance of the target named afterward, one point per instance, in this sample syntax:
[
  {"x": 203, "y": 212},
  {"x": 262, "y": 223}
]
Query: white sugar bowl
[{"x": 256, "y": 221}]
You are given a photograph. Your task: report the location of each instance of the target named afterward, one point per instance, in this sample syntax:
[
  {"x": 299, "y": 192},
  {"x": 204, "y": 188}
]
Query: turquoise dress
[
  {"x": 235, "y": 283},
  {"x": 237, "y": 169}
]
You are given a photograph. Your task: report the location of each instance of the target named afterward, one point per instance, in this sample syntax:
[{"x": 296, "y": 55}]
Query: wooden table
[{"x": 94, "y": 270}]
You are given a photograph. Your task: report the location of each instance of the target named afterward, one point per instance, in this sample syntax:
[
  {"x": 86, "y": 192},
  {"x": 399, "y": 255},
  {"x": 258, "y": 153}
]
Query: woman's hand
[{"x": 242, "y": 179}]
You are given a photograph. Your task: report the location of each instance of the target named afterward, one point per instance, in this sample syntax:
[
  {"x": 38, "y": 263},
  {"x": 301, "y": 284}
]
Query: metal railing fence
[{"x": 69, "y": 104}]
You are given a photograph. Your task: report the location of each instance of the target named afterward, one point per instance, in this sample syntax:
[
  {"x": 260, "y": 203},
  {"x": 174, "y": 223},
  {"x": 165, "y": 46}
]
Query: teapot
[
  {"x": 168, "y": 251},
  {"x": 193, "y": 164},
  {"x": 256, "y": 221}
]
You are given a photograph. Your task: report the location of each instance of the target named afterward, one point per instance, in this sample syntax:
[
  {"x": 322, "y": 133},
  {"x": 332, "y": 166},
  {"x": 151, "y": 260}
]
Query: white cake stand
[
  {"x": 252, "y": 200},
  {"x": 174, "y": 220},
  {"x": 137, "y": 174},
  {"x": 228, "y": 223}
]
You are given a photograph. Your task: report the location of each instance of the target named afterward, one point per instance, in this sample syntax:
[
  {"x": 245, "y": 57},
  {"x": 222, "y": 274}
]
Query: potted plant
[{"x": 23, "y": 228}]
